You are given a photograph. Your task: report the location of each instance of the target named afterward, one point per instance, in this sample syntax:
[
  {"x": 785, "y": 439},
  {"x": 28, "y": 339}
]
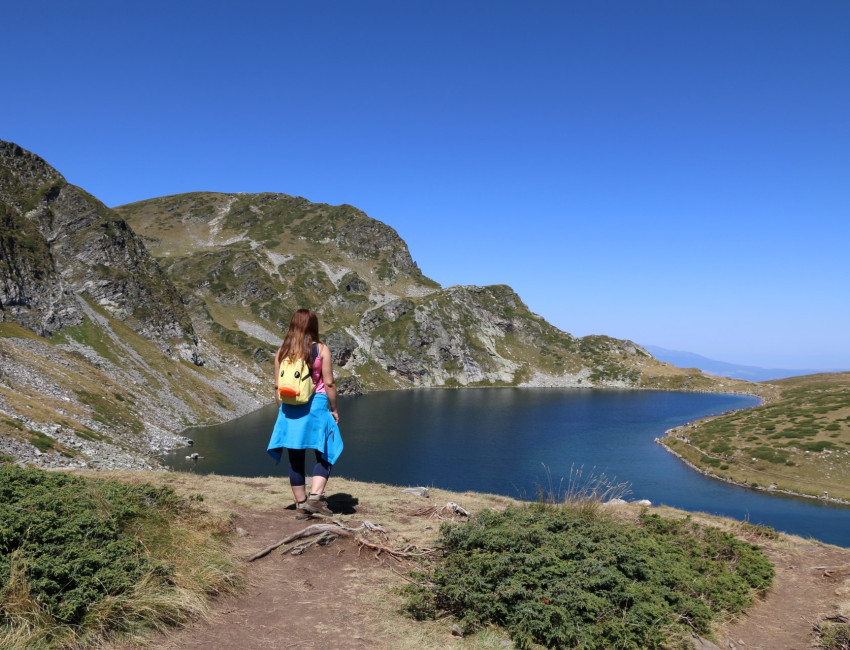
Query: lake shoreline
[
  {"x": 427, "y": 438},
  {"x": 747, "y": 486}
]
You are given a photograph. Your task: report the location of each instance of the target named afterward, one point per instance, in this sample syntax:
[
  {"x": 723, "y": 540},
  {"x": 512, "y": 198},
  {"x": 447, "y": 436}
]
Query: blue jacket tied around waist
[{"x": 306, "y": 426}]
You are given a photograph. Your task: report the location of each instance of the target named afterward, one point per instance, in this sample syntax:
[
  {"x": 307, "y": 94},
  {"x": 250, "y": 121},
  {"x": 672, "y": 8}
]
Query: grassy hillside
[{"x": 798, "y": 441}]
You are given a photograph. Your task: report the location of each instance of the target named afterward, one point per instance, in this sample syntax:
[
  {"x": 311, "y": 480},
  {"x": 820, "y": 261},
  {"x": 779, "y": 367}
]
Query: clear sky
[{"x": 672, "y": 172}]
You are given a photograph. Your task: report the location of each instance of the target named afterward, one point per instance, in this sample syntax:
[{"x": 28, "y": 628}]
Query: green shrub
[
  {"x": 722, "y": 448},
  {"x": 75, "y": 542},
  {"x": 84, "y": 559},
  {"x": 554, "y": 577},
  {"x": 833, "y": 636},
  {"x": 820, "y": 445}
]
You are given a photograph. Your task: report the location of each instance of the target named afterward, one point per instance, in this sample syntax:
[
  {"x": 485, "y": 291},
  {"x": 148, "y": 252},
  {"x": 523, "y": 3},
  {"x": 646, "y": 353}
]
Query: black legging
[{"x": 297, "y": 461}]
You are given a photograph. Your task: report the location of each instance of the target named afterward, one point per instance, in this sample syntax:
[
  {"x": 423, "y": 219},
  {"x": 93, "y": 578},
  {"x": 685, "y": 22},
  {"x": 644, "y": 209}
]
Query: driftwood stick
[
  {"x": 837, "y": 617},
  {"x": 440, "y": 512},
  {"x": 455, "y": 509}
]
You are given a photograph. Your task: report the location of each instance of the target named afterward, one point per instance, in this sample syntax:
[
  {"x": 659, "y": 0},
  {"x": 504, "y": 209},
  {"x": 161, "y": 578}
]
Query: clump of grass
[
  {"x": 582, "y": 493},
  {"x": 833, "y": 635},
  {"x": 759, "y": 531},
  {"x": 84, "y": 560},
  {"x": 550, "y": 575}
]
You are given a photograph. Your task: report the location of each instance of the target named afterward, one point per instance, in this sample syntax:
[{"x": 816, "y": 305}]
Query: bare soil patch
[
  {"x": 309, "y": 600},
  {"x": 811, "y": 582}
]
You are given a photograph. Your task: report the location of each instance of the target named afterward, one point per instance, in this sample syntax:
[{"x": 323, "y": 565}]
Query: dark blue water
[{"x": 515, "y": 441}]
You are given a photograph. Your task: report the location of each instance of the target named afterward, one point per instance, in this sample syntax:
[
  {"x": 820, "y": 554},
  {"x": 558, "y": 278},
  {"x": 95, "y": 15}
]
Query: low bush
[
  {"x": 85, "y": 559},
  {"x": 818, "y": 446},
  {"x": 551, "y": 576}
]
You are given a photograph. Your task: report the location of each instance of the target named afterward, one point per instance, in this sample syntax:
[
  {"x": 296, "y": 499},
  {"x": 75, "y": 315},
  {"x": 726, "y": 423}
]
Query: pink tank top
[{"x": 317, "y": 376}]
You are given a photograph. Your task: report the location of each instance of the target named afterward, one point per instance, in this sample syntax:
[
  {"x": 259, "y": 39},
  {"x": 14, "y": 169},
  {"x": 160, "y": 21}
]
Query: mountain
[
  {"x": 59, "y": 245},
  {"x": 722, "y": 368},
  {"x": 121, "y": 327},
  {"x": 100, "y": 365},
  {"x": 245, "y": 262}
]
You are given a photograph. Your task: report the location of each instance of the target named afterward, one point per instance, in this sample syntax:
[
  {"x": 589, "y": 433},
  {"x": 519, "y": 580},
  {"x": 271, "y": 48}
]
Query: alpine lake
[{"x": 520, "y": 442}]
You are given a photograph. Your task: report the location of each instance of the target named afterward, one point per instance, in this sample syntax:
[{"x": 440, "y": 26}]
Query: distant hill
[{"x": 723, "y": 368}]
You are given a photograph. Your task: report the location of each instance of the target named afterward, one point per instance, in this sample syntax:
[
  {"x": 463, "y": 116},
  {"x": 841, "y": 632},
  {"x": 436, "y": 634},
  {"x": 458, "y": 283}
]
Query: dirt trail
[
  {"x": 811, "y": 580},
  {"x": 338, "y": 597},
  {"x": 304, "y": 601}
]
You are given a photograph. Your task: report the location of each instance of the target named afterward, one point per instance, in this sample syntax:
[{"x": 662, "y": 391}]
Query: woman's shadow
[{"x": 343, "y": 504}]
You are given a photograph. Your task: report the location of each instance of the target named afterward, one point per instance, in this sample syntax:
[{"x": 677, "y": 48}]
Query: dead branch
[
  {"x": 839, "y": 618},
  {"x": 440, "y": 512},
  {"x": 398, "y": 554},
  {"x": 335, "y": 528},
  {"x": 424, "y": 583},
  {"x": 322, "y": 540}
]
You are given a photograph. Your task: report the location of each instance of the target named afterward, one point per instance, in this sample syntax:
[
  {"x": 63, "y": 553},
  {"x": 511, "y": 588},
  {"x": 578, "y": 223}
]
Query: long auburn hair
[{"x": 303, "y": 332}]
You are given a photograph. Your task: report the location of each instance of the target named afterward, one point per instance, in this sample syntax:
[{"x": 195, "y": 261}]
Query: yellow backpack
[{"x": 295, "y": 380}]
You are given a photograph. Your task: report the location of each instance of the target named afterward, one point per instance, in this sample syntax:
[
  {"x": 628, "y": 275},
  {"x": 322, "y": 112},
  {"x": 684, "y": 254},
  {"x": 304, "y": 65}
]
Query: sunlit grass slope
[{"x": 798, "y": 442}]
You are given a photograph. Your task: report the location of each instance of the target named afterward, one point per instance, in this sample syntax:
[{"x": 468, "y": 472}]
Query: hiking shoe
[{"x": 316, "y": 505}]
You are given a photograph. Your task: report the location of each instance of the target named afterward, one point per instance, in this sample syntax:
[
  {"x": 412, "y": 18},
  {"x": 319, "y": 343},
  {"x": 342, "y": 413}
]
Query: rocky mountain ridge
[
  {"x": 120, "y": 327},
  {"x": 59, "y": 243}
]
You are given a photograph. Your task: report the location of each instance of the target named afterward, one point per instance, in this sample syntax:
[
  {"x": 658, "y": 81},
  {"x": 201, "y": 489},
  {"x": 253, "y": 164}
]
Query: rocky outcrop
[
  {"x": 453, "y": 337},
  {"x": 58, "y": 242},
  {"x": 32, "y": 291}
]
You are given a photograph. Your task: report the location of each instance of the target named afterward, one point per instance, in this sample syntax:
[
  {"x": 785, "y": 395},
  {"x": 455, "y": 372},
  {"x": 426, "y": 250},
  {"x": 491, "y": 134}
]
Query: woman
[{"x": 314, "y": 425}]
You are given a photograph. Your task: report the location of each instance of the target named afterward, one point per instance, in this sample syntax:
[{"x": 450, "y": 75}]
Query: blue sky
[{"x": 672, "y": 172}]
